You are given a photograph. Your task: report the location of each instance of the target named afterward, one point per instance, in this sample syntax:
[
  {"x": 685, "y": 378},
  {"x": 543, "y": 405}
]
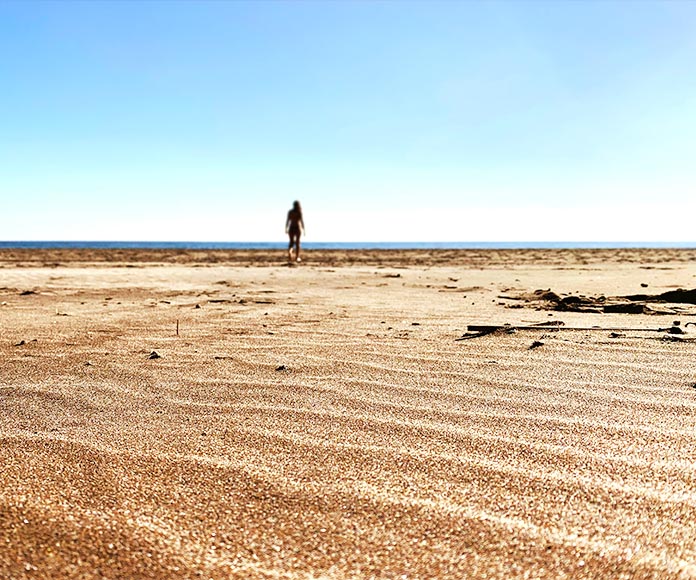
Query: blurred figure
[{"x": 294, "y": 227}]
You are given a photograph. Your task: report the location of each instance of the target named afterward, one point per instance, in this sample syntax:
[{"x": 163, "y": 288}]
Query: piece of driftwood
[
  {"x": 680, "y": 296},
  {"x": 476, "y": 330}
]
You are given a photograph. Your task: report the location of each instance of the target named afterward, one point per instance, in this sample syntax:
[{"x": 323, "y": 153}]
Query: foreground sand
[{"x": 323, "y": 421}]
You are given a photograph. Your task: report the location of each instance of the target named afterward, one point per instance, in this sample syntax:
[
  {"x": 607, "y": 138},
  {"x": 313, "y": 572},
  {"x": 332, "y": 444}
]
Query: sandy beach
[{"x": 221, "y": 414}]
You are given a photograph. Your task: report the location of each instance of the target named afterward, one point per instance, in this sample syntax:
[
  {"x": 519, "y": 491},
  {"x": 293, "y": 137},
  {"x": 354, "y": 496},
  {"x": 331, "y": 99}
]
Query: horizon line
[{"x": 264, "y": 244}]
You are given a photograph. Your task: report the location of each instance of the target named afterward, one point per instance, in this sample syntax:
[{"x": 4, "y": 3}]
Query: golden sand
[{"x": 322, "y": 421}]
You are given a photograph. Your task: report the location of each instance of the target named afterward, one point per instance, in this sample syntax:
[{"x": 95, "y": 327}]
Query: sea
[{"x": 110, "y": 245}]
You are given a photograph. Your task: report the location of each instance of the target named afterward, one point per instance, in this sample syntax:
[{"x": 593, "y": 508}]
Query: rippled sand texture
[{"x": 323, "y": 422}]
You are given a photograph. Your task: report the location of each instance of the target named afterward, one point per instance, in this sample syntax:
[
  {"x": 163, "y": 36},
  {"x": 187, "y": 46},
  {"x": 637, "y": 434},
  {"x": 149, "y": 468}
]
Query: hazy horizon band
[{"x": 279, "y": 245}]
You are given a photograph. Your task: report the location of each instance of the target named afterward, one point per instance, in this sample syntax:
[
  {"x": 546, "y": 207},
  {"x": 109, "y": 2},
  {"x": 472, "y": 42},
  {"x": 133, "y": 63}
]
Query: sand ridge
[{"x": 323, "y": 421}]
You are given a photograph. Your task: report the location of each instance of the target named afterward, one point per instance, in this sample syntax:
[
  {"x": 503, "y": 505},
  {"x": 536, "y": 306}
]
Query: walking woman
[{"x": 294, "y": 227}]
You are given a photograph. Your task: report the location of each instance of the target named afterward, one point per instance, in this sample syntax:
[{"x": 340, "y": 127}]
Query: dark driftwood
[
  {"x": 671, "y": 302},
  {"x": 680, "y": 296},
  {"x": 493, "y": 328},
  {"x": 477, "y": 330}
]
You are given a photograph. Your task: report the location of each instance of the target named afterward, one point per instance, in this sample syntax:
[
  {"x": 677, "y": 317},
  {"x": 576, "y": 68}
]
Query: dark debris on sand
[{"x": 671, "y": 302}]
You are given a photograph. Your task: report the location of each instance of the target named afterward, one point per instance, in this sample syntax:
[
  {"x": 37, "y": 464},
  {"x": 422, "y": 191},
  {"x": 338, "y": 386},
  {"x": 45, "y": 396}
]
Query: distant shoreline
[
  {"x": 234, "y": 246},
  {"x": 482, "y": 258}
]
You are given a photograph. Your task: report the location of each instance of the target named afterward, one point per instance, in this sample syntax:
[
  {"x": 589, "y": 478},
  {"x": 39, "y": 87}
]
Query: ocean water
[{"x": 336, "y": 245}]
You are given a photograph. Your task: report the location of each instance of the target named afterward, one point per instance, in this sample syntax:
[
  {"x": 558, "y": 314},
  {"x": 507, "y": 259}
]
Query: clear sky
[{"x": 389, "y": 121}]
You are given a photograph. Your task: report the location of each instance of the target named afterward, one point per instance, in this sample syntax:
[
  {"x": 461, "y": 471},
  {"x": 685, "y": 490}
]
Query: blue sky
[{"x": 390, "y": 121}]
